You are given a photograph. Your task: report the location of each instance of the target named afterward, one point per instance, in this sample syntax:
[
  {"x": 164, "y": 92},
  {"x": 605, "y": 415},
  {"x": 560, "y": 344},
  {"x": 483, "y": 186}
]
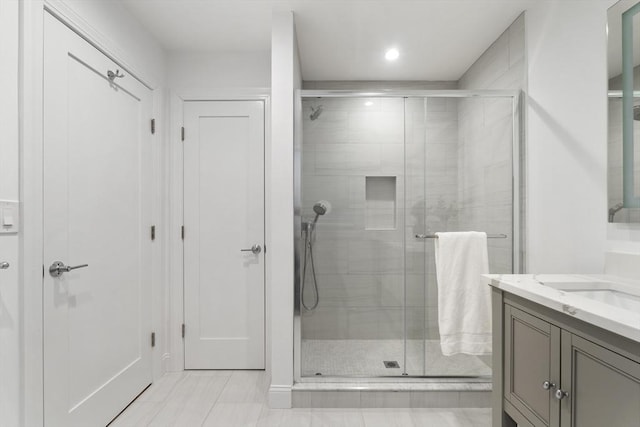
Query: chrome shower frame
[{"x": 518, "y": 234}]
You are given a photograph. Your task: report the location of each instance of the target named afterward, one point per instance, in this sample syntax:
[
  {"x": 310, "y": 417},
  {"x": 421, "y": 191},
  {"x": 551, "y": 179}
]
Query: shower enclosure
[{"x": 376, "y": 175}]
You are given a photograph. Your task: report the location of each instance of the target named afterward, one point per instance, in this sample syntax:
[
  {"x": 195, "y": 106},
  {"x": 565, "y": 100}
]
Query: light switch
[{"x": 9, "y": 216}]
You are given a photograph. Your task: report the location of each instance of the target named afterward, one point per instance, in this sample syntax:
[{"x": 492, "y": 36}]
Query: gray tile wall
[
  {"x": 359, "y": 270},
  {"x": 485, "y": 146}
]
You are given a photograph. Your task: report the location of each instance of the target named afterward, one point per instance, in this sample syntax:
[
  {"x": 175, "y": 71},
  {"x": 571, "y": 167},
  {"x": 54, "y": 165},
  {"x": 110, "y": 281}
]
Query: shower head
[
  {"x": 315, "y": 112},
  {"x": 320, "y": 208}
]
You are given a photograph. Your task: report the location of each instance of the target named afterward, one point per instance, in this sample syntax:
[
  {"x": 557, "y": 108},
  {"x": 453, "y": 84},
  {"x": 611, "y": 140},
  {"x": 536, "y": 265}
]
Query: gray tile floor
[{"x": 239, "y": 398}]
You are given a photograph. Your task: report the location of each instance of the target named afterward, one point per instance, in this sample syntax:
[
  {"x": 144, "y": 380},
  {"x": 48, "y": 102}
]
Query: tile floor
[{"x": 239, "y": 398}]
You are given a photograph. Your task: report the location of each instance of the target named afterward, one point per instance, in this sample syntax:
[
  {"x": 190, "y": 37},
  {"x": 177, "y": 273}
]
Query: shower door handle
[{"x": 256, "y": 249}]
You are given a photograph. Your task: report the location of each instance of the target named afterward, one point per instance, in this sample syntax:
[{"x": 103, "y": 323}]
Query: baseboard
[{"x": 280, "y": 397}]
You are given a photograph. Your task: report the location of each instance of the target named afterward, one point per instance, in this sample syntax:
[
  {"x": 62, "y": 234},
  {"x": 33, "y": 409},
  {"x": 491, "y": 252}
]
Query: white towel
[{"x": 464, "y": 301}]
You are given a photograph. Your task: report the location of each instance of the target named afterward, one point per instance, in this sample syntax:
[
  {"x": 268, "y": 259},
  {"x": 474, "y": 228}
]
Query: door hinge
[
  {"x": 153, "y": 339},
  {"x": 153, "y": 126},
  {"x": 153, "y": 232},
  {"x": 182, "y": 232},
  {"x": 182, "y": 133},
  {"x": 183, "y": 328}
]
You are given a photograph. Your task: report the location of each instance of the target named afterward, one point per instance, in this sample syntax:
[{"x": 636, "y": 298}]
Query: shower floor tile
[{"x": 365, "y": 358}]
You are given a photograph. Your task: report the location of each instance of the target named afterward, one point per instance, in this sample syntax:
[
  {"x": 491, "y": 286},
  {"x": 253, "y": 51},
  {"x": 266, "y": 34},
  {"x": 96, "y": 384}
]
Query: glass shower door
[
  {"x": 352, "y": 298},
  {"x": 459, "y": 175}
]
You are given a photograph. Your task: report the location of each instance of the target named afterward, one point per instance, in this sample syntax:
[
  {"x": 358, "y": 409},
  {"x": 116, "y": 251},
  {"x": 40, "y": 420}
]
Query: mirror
[{"x": 623, "y": 27}]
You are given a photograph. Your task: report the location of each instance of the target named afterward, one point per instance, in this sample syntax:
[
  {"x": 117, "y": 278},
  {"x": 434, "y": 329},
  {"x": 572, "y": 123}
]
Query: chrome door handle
[
  {"x": 256, "y": 249},
  {"x": 4, "y": 265},
  {"x": 548, "y": 385},
  {"x": 561, "y": 394},
  {"x": 58, "y": 267}
]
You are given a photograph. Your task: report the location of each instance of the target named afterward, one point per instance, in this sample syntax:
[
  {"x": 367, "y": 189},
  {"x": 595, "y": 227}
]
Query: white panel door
[
  {"x": 97, "y": 355},
  {"x": 223, "y": 214}
]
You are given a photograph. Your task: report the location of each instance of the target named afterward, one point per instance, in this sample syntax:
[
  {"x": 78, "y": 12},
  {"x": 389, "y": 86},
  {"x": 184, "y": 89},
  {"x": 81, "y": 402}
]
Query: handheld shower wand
[{"x": 321, "y": 207}]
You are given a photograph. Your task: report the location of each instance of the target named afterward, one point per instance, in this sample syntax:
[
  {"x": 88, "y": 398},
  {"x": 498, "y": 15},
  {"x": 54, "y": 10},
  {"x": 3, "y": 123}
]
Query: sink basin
[
  {"x": 615, "y": 294},
  {"x": 618, "y": 299}
]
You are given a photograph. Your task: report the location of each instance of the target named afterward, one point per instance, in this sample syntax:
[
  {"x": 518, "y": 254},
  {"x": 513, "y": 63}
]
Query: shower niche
[
  {"x": 380, "y": 202},
  {"x": 394, "y": 165}
]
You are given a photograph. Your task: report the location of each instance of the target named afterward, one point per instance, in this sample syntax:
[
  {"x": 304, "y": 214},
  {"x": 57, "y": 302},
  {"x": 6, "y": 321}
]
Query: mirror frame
[{"x": 630, "y": 200}]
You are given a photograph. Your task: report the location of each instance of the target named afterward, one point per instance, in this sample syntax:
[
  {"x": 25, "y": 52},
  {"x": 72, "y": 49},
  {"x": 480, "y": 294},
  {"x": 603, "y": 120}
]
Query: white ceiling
[{"x": 340, "y": 39}]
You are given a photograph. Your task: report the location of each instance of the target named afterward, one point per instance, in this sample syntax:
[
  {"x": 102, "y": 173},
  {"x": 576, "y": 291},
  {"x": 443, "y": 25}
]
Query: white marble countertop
[{"x": 540, "y": 288}]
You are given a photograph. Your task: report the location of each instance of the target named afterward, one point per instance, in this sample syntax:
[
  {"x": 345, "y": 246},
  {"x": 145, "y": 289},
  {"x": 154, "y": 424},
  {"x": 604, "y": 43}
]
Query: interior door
[
  {"x": 224, "y": 234},
  {"x": 97, "y": 353}
]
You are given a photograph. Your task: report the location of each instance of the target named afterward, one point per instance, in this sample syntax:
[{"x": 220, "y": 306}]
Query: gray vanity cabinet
[{"x": 555, "y": 375}]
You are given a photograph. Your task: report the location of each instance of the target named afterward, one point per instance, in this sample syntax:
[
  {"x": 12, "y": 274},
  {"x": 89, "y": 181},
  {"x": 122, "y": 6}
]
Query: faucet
[{"x": 614, "y": 210}]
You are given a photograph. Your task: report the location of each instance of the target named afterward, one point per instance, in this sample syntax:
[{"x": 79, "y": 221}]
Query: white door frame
[
  {"x": 31, "y": 235},
  {"x": 175, "y": 358}
]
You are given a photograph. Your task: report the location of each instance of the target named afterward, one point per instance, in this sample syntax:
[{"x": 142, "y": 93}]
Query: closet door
[
  {"x": 224, "y": 234},
  {"x": 97, "y": 348}
]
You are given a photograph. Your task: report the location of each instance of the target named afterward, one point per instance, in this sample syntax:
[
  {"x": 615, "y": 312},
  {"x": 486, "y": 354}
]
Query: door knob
[
  {"x": 256, "y": 249},
  {"x": 548, "y": 385},
  {"x": 561, "y": 394},
  {"x": 4, "y": 265},
  {"x": 58, "y": 267}
]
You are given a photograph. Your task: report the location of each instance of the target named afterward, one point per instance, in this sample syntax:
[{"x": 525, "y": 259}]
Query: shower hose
[{"x": 308, "y": 257}]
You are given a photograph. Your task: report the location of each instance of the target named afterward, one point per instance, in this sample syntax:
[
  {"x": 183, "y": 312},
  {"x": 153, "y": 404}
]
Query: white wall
[
  {"x": 219, "y": 70},
  {"x": 201, "y": 76},
  {"x": 285, "y": 79},
  {"x": 623, "y": 238},
  {"x": 9, "y": 189},
  {"x": 566, "y": 143}
]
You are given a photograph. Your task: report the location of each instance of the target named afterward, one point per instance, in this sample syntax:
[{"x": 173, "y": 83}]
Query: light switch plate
[{"x": 9, "y": 216}]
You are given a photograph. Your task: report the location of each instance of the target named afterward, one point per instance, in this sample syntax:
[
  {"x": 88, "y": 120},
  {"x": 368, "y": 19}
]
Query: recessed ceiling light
[
  {"x": 392, "y": 54},
  {"x": 368, "y": 103}
]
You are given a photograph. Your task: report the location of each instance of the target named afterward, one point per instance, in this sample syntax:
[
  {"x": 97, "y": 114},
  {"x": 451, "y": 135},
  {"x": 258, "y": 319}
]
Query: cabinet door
[
  {"x": 603, "y": 387},
  {"x": 532, "y": 350}
]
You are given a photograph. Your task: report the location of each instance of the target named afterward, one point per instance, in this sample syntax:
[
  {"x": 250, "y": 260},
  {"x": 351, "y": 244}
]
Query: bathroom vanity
[{"x": 566, "y": 351}]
